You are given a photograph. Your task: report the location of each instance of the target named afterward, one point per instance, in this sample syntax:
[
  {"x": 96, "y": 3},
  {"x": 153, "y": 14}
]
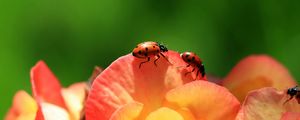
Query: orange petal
[
  {"x": 74, "y": 97},
  {"x": 130, "y": 111},
  {"x": 45, "y": 85},
  {"x": 123, "y": 82},
  {"x": 24, "y": 107},
  {"x": 266, "y": 104},
  {"x": 257, "y": 71},
  {"x": 206, "y": 100},
  {"x": 164, "y": 113}
]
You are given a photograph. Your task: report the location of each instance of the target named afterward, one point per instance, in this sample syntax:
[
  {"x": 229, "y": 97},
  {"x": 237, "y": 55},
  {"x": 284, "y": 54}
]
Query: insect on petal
[
  {"x": 266, "y": 103},
  {"x": 124, "y": 82}
]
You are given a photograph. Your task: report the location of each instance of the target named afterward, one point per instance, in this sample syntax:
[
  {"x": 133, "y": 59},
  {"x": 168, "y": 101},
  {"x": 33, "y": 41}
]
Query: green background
[{"x": 74, "y": 36}]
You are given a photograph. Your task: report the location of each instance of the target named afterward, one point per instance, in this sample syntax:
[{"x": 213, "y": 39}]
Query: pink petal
[
  {"x": 290, "y": 116},
  {"x": 257, "y": 71},
  {"x": 123, "y": 82},
  {"x": 205, "y": 100},
  {"x": 266, "y": 104}
]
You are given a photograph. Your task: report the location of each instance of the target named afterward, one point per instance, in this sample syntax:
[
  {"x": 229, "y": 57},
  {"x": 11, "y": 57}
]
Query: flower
[
  {"x": 255, "y": 72},
  {"x": 50, "y": 101},
  {"x": 254, "y": 89},
  {"x": 125, "y": 91}
]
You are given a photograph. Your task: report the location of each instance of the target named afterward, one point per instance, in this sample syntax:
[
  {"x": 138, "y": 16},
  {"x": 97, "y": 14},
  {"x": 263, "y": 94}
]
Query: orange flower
[
  {"x": 261, "y": 83},
  {"x": 124, "y": 91}
]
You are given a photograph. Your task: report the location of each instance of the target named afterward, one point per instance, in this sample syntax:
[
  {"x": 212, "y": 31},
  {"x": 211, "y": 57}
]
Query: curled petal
[
  {"x": 24, "y": 107},
  {"x": 130, "y": 111},
  {"x": 206, "y": 100},
  {"x": 45, "y": 85},
  {"x": 124, "y": 82},
  {"x": 257, "y": 71},
  {"x": 164, "y": 113},
  {"x": 266, "y": 103}
]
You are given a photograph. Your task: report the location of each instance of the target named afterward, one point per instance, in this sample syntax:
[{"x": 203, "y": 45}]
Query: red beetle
[
  {"x": 149, "y": 49},
  {"x": 194, "y": 61}
]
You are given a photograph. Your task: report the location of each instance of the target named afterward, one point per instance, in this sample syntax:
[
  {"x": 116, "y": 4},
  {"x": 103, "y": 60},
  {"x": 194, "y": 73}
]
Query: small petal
[
  {"x": 266, "y": 103},
  {"x": 257, "y": 71},
  {"x": 124, "y": 82},
  {"x": 130, "y": 111},
  {"x": 164, "y": 113},
  {"x": 24, "y": 107},
  {"x": 206, "y": 100},
  {"x": 74, "y": 97},
  {"x": 45, "y": 85}
]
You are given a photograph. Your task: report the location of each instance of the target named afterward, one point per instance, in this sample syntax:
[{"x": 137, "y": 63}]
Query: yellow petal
[
  {"x": 24, "y": 107},
  {"x": 256, "y": 72},
  {"x": 164, "y": 113},
  {"x": 205, "y": 99},
  {"x": 74, "y": 97},
  {"x": 130, "y": 111}
]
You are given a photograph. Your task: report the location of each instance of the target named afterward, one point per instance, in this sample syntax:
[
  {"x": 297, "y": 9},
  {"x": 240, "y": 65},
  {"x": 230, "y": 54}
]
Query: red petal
[
  {"x": 257, "y": 71},
  {"x": 39, "y": 113},
  {"x": 45, "y": 85},
  {"x": 123, "y": 81},
  {"x": 290, "y": 116}
]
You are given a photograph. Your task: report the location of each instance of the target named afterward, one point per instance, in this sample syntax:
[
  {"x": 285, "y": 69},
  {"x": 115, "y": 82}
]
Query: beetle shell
[{"x": 146, "y": 49}]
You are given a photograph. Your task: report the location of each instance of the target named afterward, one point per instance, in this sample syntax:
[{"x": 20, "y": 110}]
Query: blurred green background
[{"x": 74, "y": 36}]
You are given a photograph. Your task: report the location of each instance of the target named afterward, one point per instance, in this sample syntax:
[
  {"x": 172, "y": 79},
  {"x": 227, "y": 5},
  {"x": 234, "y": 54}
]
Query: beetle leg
[
  {"x": 165, "y": 57},
  {"x": 156, "y": 60},
  {"x": 148, "y": 59}
]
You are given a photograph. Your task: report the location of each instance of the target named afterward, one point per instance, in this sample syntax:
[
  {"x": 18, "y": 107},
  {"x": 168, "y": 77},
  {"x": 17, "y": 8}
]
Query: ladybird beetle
[
  {"x": 194, "y": 61},
  {"x": 293, "y": 92},
  {"x": 149, "y": 49}
]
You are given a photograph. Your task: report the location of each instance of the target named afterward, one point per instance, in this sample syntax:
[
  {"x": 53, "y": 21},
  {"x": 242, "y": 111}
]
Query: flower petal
[
  {"x": 124, "y": 82},
  {"x": 164, "y": 113},
  {"x": 259, "y": 71},
  {"x": 53, "y": 112},
  {"x": 74, "y": 97},
  {"x": 206, "y": 100},
  {"x": 266, "y": 103},
  {"x": 45, "y": 85},
  {"x": 130, "y": 111},
  {"x": 24, "y": 107},
  {"x": 290, "y": 116}
]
